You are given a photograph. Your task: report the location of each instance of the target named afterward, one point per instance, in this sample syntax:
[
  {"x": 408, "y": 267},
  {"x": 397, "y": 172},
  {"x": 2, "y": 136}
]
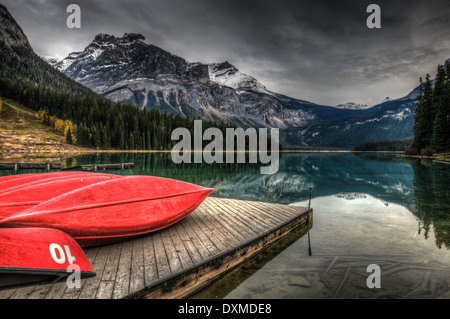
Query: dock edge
[{"x": 187, "y": 282}]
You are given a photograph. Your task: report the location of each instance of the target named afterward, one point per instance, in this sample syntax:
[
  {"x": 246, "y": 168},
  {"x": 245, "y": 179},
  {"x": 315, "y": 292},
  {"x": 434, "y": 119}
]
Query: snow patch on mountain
[
  {"x": 131, "y": 71},
  {"x": 352, "y": 106},
  {"x": 228, "y": 75},
  {"x": 387, "y": 99}
]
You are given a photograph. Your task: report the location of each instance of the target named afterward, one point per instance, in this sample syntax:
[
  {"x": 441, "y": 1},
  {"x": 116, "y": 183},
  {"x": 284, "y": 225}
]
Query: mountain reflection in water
[
  {"x": 368, "y": 209},
  {"x": 419, "y": 185}
]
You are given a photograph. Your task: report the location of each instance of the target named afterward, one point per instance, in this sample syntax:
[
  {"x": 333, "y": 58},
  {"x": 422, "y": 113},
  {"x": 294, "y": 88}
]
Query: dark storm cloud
[{"x": 320, "y": 50}]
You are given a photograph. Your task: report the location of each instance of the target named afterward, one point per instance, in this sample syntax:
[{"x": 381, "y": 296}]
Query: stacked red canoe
[{"x": 39, "y": 212}]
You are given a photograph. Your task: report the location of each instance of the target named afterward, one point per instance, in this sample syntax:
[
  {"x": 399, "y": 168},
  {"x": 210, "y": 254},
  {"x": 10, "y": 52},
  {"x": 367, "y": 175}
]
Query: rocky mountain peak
[
  {"x": 104, "y": 38},
  {"x": 227, "y": 74},
  {"x": 131, "y": 37},
  {"x": 224, "y": 66},
  {"x": 10, "y": 32}
]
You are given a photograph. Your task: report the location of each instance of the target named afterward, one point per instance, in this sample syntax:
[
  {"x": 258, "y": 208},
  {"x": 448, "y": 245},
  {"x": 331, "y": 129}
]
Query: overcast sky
[{"x": 317, "y": 50}]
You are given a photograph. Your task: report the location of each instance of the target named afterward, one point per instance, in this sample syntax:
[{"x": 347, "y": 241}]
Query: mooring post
[
  {"x": 309, "y": 207},
  {"x": 310, "y": 195}
]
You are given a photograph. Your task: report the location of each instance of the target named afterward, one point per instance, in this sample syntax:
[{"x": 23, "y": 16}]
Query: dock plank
[
  {"x": 162, "y": 263},
  {"x": 137, "y": 266},
  {"x": 219, "y": 235},
  {"x": 221, "y": 216},
  {"x": 91, "y": 286},
  {"x": 150, "y": 269},
  {"x": 191, "y": 249},
  {"x": 224, "y": 227},
  {"x": 122, "y": 279},
  {"x": 171, "y": 252},
  {"x": 183, "y": 254}
]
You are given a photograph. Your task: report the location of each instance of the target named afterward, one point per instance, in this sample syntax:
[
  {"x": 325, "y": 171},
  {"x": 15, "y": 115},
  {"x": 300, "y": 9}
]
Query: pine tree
[
  {"x": 432, "y": 118},
  {"x": 424, "y": 117},
  {"x": 121, "y": 145},
  {"x": 439, "y": 141},
  {"x": 446, "y": 108},
  {"x": 95, "y": 138},
  {"x": 69, "y": 137},
  {"x": 105, "y": 138},
  {"x": 438, "y": 121},
  {"x": 131, "y": 142}
]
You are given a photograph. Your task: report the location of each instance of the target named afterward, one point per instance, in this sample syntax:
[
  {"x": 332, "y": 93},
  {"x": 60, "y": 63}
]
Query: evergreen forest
[{"x": 432, "y": 117}]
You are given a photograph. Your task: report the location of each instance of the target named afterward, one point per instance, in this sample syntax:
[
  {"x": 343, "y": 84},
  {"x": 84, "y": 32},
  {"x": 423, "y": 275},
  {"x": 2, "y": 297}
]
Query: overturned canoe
[
  {"x": 114, "y": 210},
  {"x": 13, "y": 181},
  {"x": 31, "y": 256},
  {"x": 21, "y": 197}
]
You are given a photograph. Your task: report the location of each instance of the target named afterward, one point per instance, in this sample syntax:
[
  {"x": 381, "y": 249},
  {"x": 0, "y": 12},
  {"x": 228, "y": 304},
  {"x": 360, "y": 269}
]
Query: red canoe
[
  {"x": 9, "y": 182},
  {"x": 114, "y": 210},
  {"x": 19, "y": 198},
  {"x": 37, "y": 255}
]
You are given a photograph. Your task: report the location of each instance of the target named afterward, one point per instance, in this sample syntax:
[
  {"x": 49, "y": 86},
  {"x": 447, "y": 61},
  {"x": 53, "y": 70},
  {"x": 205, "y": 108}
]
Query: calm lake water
[{"x": 368, "y": 209}]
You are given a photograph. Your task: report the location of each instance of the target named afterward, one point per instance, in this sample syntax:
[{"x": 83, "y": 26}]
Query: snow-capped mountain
[
  {"x": 352, "y": 106},
  {"x": 227, "y": 75},
  {"x": 391, "y": 120},
  {"x": 132, "y": 71}
]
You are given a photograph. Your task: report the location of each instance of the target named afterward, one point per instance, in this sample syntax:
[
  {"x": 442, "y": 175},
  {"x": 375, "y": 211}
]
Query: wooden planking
[
  {"x": 17, "y": 166},
  {"x": 214, "y": 233}
]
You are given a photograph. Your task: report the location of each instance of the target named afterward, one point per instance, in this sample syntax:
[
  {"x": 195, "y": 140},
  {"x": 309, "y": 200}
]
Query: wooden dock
[
  {"x": 57, "y": 166},
  {"x": 18, "y": 166},
  {"x": 101, "y": 167},
  {"x": 179, "y": 260}
]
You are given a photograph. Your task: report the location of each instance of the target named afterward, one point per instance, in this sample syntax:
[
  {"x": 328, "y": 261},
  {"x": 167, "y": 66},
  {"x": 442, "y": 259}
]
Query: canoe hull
[
  {"x": 7, "y": 182},
  {"x": 114, "y": 210},
  {"x": 39, "y": 255},
  {"x": 17, "y": 199},
  {"x": 17, "y": 182}
]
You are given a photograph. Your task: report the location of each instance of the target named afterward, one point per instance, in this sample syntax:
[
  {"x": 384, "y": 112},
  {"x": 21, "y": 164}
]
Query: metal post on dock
[
  {"x": 309, "y": 207},
  {"x": 310, "y": 195}
]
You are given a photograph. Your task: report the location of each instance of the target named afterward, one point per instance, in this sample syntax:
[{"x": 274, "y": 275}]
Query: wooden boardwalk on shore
[{"x": 174, "y": 262}]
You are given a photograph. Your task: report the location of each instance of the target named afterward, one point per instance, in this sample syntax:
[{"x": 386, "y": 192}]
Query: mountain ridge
[
  {"x": 155, "y": 78},
  {"x": 146, "y": 76},
  {"x": 129, "y": 70},
  {"x": 97, "y": 122},
  {"x": 19, "y": 61},
  {"x": 11, "y": 33}
]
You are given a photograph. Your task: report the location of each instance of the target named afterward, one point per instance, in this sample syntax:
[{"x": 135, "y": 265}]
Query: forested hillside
[
  {"x": 432, "y": 118},
  {"x": 99, "y": 122}
]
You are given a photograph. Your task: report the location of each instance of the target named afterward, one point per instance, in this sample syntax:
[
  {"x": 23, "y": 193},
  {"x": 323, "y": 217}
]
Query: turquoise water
[{"x": 368, "y": 209}]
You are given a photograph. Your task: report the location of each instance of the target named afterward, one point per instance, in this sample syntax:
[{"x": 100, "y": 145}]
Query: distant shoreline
[
  {"x": 52, "y": 152},
  {"x": 18, "y": 155}
]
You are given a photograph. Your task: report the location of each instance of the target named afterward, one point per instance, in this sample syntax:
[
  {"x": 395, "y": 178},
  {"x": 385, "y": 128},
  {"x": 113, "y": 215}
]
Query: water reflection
[
  {"x": 420, "y": 186},
  {"x": 349, "y": 234},
  {"x": 390, "y": 178},
  {"x": 368, "y": 208},
  {"x": 432, "y": 199}
]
